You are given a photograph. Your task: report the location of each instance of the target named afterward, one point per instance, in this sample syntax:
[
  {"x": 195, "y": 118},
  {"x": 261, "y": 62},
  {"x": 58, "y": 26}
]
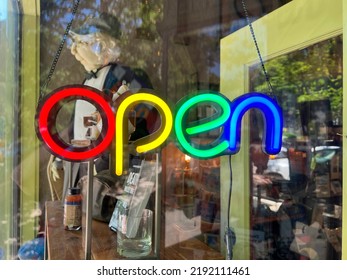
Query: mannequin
[{"x": 96, "y": 46}]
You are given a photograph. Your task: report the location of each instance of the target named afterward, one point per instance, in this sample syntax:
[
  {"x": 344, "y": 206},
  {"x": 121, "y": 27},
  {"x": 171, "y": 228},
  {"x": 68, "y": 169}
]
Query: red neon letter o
[{"x": 45, "y": 121}]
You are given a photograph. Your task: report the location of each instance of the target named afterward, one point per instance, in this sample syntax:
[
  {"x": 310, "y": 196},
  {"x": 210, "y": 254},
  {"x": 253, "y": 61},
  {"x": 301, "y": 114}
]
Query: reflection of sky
[
  {"x": 213, "y": 32},
  {"x": 236, "y": 25},
  {"x": 240, "y": 23},
  {"x": 215, "y": 69},
  {"x": 3, "y": 9}
]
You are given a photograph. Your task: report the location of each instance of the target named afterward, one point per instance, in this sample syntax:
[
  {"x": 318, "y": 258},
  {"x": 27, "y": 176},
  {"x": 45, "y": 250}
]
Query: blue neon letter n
[{"x": 273, "y": 120}]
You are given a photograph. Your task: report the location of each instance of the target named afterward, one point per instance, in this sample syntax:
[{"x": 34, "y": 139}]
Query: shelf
[{"x": 68, "y": 245}]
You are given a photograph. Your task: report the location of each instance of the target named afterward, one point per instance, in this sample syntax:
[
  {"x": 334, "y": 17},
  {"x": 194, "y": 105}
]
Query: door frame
[{"x": 294, "y": 26}]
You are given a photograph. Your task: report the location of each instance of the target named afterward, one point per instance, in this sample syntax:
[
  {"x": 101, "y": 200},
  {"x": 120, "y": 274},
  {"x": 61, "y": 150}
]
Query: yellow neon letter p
[{"x": 149, "y": 142}]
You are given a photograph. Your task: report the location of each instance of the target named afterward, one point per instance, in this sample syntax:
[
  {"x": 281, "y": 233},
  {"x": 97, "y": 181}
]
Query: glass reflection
[{"x": 297, "y": 194}]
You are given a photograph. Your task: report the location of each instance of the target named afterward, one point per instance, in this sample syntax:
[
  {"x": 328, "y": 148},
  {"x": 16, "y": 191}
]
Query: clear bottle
[{"x": 73, "y": 210}]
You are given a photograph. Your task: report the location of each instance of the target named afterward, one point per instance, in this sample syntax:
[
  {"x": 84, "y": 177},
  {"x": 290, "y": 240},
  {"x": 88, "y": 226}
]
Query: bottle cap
[{"x": 74, "y": 191}]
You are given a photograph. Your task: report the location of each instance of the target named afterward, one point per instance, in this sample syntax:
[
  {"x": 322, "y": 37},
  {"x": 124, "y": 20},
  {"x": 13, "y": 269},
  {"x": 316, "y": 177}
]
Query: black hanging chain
[
  {"x": 271, "y": 91},
  {"x": 230, "y": 236},
  {"x": 58, "y": 53}
]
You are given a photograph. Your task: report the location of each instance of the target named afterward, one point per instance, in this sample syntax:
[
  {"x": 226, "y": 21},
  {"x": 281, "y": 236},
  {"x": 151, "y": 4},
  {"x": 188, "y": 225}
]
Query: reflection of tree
[{"x": 314, "y": 73}]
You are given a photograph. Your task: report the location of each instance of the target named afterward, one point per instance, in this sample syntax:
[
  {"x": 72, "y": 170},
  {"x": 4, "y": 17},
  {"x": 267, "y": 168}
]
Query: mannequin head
[
  {"x": 96, "y": 42},
  {"x": 94, "y": 50}
]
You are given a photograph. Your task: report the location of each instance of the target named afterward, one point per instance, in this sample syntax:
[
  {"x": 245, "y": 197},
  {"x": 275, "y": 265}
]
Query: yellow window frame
[
  {"x": 295, "y": 25},
  {"x": 29, "y": 92}
]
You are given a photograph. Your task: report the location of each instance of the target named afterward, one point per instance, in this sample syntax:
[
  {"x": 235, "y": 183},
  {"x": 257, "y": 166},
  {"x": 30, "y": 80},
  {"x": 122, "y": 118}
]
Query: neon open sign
[{"x": 227, "y": 118}]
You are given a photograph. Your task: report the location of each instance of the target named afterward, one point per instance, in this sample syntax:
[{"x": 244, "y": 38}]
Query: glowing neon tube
[
  {"x": 46, "y": 117},
  {"x": 156, "y": 139},
  {"x": 184, "y": 133},
  {"x": 273, "y": 124}
]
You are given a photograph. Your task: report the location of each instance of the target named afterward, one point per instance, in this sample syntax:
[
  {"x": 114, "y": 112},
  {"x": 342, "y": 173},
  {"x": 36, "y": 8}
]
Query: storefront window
[
  {"x": 190, "y": 200},
  {"x": 297, "y": 194},
  {"x": 161, "y": 50},
  {"x": 179, "y": 55}
]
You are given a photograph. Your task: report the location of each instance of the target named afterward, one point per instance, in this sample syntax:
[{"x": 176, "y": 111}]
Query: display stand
[
  {"x": 89, "y": 213},
  {"x": 157, "y": 219}
]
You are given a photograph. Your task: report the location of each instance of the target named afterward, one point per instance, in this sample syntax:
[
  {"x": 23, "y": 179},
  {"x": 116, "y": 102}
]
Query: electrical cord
[
  {"x": 230, "y": 190},
  {"x": 230, "y": 237}
]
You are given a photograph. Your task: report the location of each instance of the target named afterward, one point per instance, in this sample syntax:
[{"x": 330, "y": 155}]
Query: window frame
[{"x": 295, "y": 25}]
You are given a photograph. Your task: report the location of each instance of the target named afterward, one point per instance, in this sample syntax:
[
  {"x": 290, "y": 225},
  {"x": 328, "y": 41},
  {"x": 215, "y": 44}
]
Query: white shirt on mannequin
[{"x": 84, "y": 108}]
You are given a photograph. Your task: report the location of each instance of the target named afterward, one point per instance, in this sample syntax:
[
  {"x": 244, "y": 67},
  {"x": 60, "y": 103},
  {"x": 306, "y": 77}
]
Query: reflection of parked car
[
  {"x": 324, "y": 154},
  {"x": 278, "y": 166}
]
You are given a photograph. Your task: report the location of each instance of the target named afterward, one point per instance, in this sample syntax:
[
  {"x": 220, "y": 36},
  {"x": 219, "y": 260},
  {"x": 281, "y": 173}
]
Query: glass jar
[{"x": 73, "y": 210}]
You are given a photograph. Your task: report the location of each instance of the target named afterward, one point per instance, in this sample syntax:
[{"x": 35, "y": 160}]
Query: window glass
[
  {"x": 170, "y": 48},
  {"x": 152, "y": 43},
  {"x": 297, "y": 194},
  {"x": 175, "y": 45}
]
